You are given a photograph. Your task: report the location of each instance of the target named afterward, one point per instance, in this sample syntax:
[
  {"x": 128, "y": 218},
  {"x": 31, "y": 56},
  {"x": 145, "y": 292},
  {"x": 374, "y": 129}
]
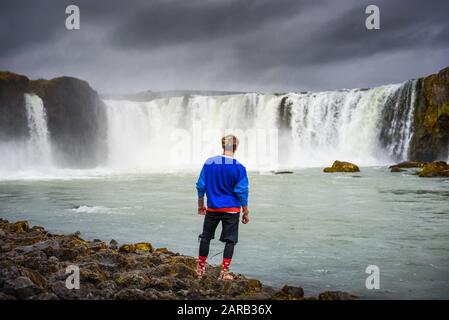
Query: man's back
[{"x": 225, "y": 183}]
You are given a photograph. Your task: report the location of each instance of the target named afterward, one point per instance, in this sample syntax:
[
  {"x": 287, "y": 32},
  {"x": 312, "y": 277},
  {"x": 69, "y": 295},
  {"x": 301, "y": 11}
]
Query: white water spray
[{"x": 39, "y": 147}]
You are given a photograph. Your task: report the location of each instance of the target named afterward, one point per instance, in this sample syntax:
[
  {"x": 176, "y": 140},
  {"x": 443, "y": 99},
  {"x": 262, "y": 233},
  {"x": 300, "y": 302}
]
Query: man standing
[{"x": 224, "y": 181}]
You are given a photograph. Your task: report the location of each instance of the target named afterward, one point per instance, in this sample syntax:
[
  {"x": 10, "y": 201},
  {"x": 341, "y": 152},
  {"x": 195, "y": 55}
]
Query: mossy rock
[
  {"x": 435, "y": 169},
  {"x": 143, "y": 246},
  {"x": 342, "y": 166},
  {"x": 21, "y": 226},
  {"x": 408, "y": 165},
  {"x": 431, "y": 120},
  {"x": 127, "y": 248}
]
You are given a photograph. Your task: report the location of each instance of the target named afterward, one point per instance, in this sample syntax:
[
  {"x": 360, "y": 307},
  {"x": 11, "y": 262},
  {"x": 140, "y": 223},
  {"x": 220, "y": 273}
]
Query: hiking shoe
[
  {"x": 225, "y": 275},
  {"x": 200, "y": 269}
]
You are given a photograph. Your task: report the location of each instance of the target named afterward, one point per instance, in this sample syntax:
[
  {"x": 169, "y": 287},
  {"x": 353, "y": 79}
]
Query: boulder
[
  {"x": 336, "y": 295},
  {"x": 342, "y": 166},
  {"x": 127, "y": 248},
  {"x": 407, "y": 165},
  {"x": 21, "y": 288},
  {"x": 435, "y": 169},
  {"x": 143, "y": 246},
  {"x": 113, "y": 244},
  {"x": 21, "y": 226}
]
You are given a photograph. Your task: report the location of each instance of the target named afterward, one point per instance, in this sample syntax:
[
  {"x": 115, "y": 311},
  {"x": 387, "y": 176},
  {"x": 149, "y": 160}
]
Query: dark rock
[
  {"x": 130, "y": 294},
  {"x": 295, "y": 292},
  {"x": 408, "y": 165},
  {"x": 13, "y": 118},
  {"x": 113, "y": 244},
  {"x": 35, "y": 268},
  {"x": 396, "y": 169},
  {"x": 336, "y": 295},
  {"x": 4, "y": 296},
  {"x": 431, "y": 124},
  {"x": 21, "y": 288}
]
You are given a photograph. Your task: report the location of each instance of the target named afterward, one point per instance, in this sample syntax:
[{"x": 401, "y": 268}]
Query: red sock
[
  {"x": 226, "y": 263},
  {"x": 202, "y": 260}
]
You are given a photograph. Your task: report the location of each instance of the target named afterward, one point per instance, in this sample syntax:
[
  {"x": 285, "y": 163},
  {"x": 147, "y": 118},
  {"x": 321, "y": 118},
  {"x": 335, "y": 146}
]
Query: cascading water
[
  {"x": 35, "y": 151},
  {"x": 337, "y": 125},
  {"x": 39, "y": 147},
  {"x": 178, "y": 132},
  {"x": 292, "y": 130},
  {"x": 365, "y": 126},
  {"x": 397, "y": 123}
]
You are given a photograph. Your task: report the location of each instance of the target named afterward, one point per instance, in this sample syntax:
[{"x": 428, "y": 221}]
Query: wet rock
[
  {"x": 133, "y": 279},
  {"x": 342, "y": 166},
  {"x": 164, "y": 251},
  {"x": 20, "y": 226},
  {"x": 435, "y": 169},
  {"x": 4, "y": 296},
  {"x": 408, "y": 165},
  {"x": 336, "y": 295},
  {"x": 97, "y": 245},
  {"x": 293, "y": 292},
  {"x": 130, "y": 294},
  {"x": 45, "y": 296},
  {"x": 113, "y": 244},
  {"x": 21, "y": 288},
  {"x": 143, "y": 246},
  {"x": 127, "y": 248},
  {"x": 35, "y": 268},
  {"x": 2, "y": 233}
]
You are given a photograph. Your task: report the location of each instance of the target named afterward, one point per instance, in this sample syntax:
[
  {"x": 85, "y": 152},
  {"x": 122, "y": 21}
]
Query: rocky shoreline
[{"x": 35, "y": 264}]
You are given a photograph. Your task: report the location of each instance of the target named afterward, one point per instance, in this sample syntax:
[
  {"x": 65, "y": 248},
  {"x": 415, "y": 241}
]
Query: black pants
[{"x": 229, "y": 232}]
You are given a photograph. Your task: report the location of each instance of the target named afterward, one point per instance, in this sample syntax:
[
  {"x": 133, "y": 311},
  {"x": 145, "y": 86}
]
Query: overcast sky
[{"x": 235, "y": 45}]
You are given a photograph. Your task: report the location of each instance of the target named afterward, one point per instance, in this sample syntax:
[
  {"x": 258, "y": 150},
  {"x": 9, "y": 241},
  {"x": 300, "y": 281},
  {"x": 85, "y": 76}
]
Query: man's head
[{"x": 229, "y": 143}]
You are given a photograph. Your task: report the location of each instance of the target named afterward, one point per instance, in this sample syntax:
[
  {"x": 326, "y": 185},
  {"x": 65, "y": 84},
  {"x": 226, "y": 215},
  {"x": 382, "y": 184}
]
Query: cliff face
[
  {"x": 431, "y": 138},
  {"x": 75, "y": 113},
  {"x": 13, "y": 119}
]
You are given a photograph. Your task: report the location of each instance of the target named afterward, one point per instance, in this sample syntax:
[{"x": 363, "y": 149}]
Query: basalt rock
[
  {"x": 342, "y": 166},
  {"x": 435, "y": 169},
  {"x": 34, "y": 267},
  {"x": 408, "y": 165},
  {"x": 430, "y": 141}
]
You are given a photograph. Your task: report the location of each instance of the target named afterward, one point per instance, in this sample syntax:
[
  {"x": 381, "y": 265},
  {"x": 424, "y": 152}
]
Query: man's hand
[
  {"x": 245, "y": 217},
  {"x": 202, "y": 210},
  {"x": 201, "y": 207}
]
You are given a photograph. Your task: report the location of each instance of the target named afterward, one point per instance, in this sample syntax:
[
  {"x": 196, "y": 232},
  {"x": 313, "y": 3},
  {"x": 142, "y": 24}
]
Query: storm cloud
[{"x": 251, "y": 45}]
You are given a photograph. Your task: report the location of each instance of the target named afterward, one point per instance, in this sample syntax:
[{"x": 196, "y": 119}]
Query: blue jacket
[{"x": 224, "y": 181}]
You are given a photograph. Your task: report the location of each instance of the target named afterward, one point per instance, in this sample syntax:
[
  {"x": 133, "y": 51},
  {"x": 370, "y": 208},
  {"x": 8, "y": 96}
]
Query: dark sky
[{"x": 236, "y": 45}]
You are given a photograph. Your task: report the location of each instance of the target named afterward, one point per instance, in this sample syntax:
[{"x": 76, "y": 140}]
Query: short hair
[{"x": 229, "y": 142}]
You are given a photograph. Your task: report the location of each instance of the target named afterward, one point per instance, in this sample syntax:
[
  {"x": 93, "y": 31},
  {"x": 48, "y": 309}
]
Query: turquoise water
[{"x": 310, "y": 229}]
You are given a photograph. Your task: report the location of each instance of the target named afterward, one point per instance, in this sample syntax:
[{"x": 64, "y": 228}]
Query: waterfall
[
  {"x": 337, "y": 125},
  {"x": 31, "y": 153},
  {"x": 290, "y": 130},
  {"x": 397, "y": 123},
  {"x": 38, "y": 145},
  {"x": 309, "y": 129},
  {"x": 179, "y": 132}
]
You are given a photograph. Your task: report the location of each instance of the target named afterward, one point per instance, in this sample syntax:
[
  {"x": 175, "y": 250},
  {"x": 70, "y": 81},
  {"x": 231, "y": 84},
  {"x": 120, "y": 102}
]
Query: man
[{"x": 224, "y": 181}]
